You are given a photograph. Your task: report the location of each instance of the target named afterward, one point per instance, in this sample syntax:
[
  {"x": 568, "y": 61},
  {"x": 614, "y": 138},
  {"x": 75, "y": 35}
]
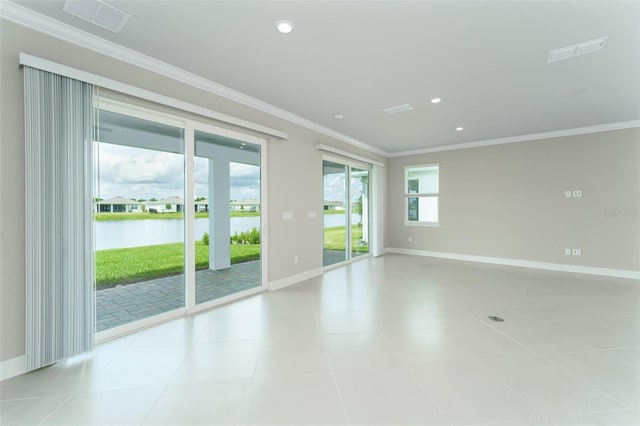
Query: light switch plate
[
  {"x": 311, "y": 214},
  {"x": 287, "y": 215}
]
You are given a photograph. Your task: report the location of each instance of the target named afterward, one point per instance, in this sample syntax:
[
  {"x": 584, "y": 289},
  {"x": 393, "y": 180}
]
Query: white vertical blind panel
[{"x": 59, "y": 233}]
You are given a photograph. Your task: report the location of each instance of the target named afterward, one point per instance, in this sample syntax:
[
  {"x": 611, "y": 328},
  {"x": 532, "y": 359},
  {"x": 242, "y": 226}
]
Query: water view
[{"x": 136, "y": 233}]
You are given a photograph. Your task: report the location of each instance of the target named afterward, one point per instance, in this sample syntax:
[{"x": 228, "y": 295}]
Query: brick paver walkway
[{"x": 126, "y": 303}]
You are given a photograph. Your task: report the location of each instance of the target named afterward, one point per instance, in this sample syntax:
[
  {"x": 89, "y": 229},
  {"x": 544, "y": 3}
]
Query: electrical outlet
[
  {"x": 577, "y": 193},
  {"x": 567, "y": 194},
  {"x": 295, "y": 259},
  {"x": 567, "y": 252},
  {"x": 576, "y": 252},
  {"x": 410, "y": 239}
]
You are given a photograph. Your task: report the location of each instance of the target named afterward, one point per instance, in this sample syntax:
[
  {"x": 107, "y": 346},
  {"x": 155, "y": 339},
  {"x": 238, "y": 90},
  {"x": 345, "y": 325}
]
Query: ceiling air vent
[
  {"x": 398, "y": 108},
  {"x": 98, "y": 13},
  {"x": 574, "y": 50}
]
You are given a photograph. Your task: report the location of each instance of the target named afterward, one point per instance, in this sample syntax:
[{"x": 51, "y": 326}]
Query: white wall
[{"x": 508, "y": 201}]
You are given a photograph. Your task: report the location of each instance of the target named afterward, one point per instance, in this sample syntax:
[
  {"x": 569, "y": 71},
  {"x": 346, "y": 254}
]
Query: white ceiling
[{"x": 486, "y": 60}]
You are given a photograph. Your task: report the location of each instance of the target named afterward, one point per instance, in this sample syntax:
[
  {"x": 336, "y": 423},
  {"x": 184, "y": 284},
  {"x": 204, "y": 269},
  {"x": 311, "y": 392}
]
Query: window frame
[{"x": 409, "y": 194}]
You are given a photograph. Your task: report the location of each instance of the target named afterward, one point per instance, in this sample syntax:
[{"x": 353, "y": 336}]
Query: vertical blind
[{"x": 59, "y": 126}]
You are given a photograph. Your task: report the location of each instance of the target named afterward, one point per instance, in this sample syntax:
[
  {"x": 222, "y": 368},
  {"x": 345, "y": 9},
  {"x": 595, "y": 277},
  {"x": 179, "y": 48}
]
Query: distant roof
[
  {"x": 205, "y": 201},
  {"x": 333, "y": 203},
  {"x": 118, "y": 200},
  {"x": 251, "y": 201},
  {"x": 169, "y": 200}
]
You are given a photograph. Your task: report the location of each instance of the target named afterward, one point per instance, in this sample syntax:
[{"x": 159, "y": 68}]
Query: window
[{"x": 421, "y": 194}]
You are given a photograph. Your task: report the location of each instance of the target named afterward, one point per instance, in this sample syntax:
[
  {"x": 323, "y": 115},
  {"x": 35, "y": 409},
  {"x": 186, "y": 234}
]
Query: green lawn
[
  {"x": 334, "y": 239},
  {"x": 147, "y": 215},
  {"x": 128, "y": 265}
]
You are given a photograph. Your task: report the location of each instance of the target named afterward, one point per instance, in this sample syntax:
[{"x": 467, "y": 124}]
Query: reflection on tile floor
[
  {"x": 126, "y": 303},
  {"x": 399, "y": 340}
]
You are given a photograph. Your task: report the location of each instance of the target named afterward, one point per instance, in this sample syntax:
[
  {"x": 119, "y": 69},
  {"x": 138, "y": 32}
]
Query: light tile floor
[{"x": 398, "y": 340}]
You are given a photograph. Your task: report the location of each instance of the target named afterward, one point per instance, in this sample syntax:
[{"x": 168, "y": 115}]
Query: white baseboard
[
  {"x": 12, "y": 367},
  {"x": 294, "y": 279},
  {"x": 617, "y": 273}
]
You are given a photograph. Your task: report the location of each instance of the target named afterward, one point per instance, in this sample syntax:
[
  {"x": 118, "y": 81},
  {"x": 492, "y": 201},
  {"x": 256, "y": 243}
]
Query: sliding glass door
[
  {"x": 346, "y": 212},
  {"x": 177, "y": 215}
]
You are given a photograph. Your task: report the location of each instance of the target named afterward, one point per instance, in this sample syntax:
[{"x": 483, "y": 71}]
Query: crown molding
[
  {"x": 36, "y": 21},
  {"x": 522, "y": 138}
]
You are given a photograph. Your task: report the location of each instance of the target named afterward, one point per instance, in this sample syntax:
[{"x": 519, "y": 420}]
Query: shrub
[
  {"x": 205, "y": 239},
  {"x": 247, "y": 237}
]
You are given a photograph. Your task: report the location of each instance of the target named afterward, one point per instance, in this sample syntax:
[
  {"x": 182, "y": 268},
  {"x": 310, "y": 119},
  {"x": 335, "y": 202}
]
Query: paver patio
[{"x": 126, "y": 303}]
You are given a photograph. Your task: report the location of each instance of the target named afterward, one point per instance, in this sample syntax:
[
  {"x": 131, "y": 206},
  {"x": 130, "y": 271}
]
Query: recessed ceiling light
[
  {"x": 241, "y": 147},
  {"x": 435, "y": 100},
  {"x": 338, "y": 116},
  {"x": 242, "y": 143},
  {"x": 459, "y": 129},
  {"x": 284, "y": 27}
]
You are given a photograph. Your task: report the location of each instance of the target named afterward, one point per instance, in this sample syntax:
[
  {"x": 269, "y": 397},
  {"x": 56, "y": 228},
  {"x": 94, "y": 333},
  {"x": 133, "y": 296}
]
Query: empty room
[{"x": 319, "y": 212}]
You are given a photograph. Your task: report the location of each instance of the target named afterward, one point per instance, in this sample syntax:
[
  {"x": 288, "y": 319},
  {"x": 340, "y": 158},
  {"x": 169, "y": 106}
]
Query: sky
[{"x": 143, "y": 174}]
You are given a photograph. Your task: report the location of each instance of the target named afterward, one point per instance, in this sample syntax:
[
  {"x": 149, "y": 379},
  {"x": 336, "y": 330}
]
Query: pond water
[{"x": 134, "y": 233}]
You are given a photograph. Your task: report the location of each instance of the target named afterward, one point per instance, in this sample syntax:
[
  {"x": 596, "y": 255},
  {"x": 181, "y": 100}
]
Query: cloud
[{"x": 138, "y": 173}]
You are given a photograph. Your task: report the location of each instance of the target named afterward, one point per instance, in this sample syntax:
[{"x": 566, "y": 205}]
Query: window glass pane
[
  {"x": 412, "y": 209},
  {"x": 428, "y": 209},
  {"x": 359, "y": 212},
  {"x": 422, "y": 209},
  {"x": 335, "y": 212},
  {"x": 422, "y": 180},
  {"x": 139, "y": 219},
  {"x": 227, "y": 231}
]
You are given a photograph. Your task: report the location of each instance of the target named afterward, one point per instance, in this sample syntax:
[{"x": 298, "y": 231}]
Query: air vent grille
[
  {"x": 98, "y": 13},
  {"x": 578, "y": 49},
  {"x": 397, "y": 109}
]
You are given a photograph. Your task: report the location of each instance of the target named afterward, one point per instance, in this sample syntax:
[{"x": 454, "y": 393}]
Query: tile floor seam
[
  {"x": 405, "y": 365},
  {"x": 584, "y": 351},
  {"x": 333, "y": 375},
  {"x": 617, "y": 357},
  {"x": 605, "y": 325},
  {"x": 546, "y": 358},
  {"x": 250, "y": 401},
  {"x": 517, "y": 394},
  {"x": 253, "y": 381},
  {"x": 56, "y": 409},
  {"x": 624, "y": 405},
  {"x": 144, "y": 419}
]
